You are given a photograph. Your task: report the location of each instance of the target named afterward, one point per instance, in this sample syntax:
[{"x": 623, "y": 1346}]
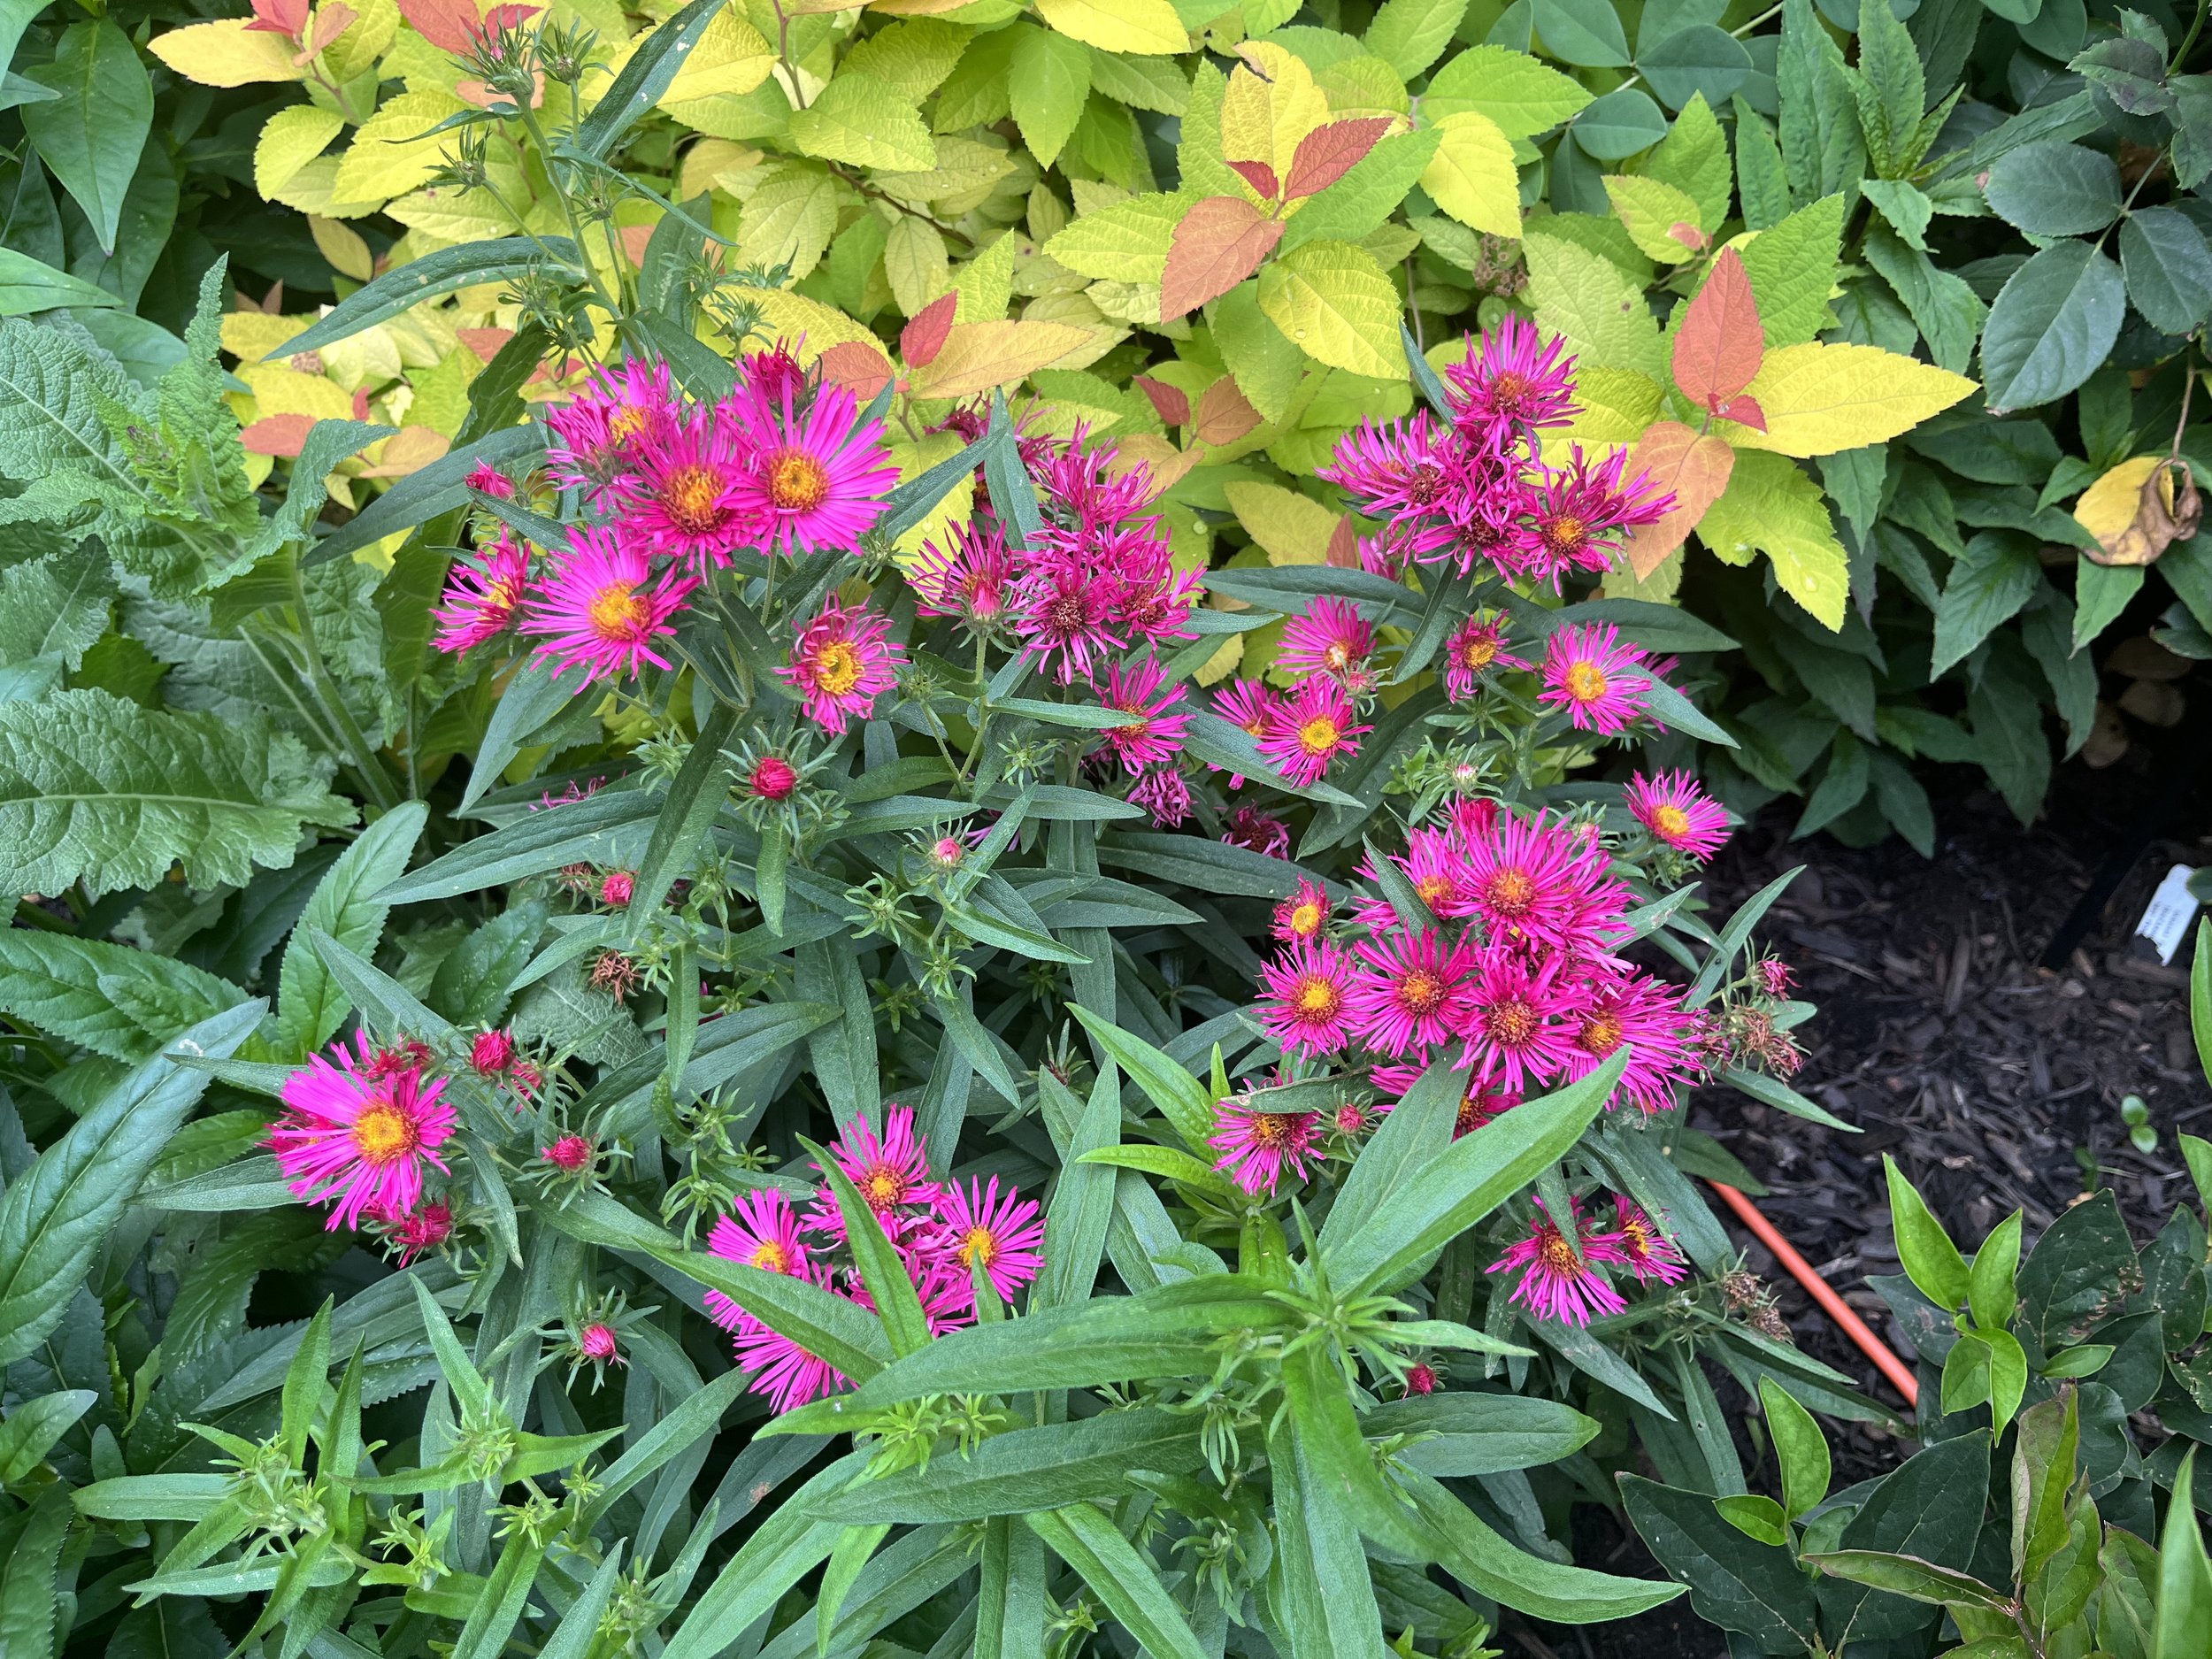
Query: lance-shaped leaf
[
  {"x": 1122, "y": 1577},
  {"x": 1721, "y": 344},
  {"x": 1693, "y": 468},
  {"x": 1220, "y": 242},
  {"x": 1327, "y": 153}
]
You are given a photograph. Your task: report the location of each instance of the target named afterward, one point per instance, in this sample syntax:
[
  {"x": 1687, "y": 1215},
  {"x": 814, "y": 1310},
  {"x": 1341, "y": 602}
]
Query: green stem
[
  {"x": 2196, "y": 27},
  {"x": 374, "y": 777}
]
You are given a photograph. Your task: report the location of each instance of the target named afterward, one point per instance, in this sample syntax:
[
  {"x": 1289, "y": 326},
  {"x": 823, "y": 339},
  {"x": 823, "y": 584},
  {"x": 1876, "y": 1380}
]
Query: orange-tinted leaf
[
  {"x": 1743, "y": 409},
  {"x": 1327, "y": 153},
  {"x": 634, "y": 238},
  {"x": 277, "y": 435},
  {"x": 1721, "y": 343},
  {"x": 333, "y": 20},
  {"x": 1219, "y": 243},
  {"x": 1225, "y": 414},
  {"x": 977, "y": 356},
  {"x": 448, "y": 24},
  {"x": 1689, "y": 235},
  {"x": 1172, "y": 403},
  {"x": 924, "y": 336},
  {"x": 1164, "y": 464},
  {"x": 858, "y": 367},
  {"x": 1694, "y": 469},
  {"x": 408, "y": 450},
  {"x": 1343, "y": 546},
  {"x": 278, "y": 16},
  {"x": 1260, "y": 176}
]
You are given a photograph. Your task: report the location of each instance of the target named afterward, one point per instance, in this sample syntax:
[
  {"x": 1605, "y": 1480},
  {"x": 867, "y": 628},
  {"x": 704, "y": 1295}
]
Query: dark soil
[{"x": 1995, "y": 1082}]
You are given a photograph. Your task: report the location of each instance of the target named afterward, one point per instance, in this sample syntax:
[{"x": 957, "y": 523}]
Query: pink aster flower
[
  {"x": 1580, "y": 508},
  {"x": 1775, "y": 976},
  {"x": 1437, "y": 867},
  {"x": 1308, "y": 993},
  {"x": 1245, "y": 703},
  {"x": 358, "y": 1142},
  {"x": 1331, "y": 638},
  {"x": 1164, "y": 792},
  {"x": 572, "y": 1155},
  {"x": 1674, "y": 808},
  {"x": 491, "y": 1053},
  {"x": 1521, "y": 875},
  {"x": 1413, "y": 993},
  {"x": 1590, "y": 671},
  {"x": 1079, "y": 481},
  {"x": 777, "y": 1368},
  {"x": 818, "y": 473},
  {"x": 1311, "y": 728},
  {"x": 1556, "y": 1280},
  {"x": 1477, "y": 648},
  {"x": 771, "y": 779},
  {"x": 1258, "y": 831},
  {"x": 486, "y": 479},
  {"x": 601, "y": 606},
  {"x": 616, "y": 886},
  {"x": 597, "y": 1343},
  {"x": 1001, "y": 1233},
  {"x": 481, "y": 595},
  {"x": 1514, "y": 1030},
  {"x": 1258, "y": 1148},
  {"x": 1643, "y": 1246},
  {"x": 971, "y": 577},
  {"x": 891, "y": 1172},
  {"x": 1405, "y": 475},
  {"x": 1481, "y": 1106},
  {"x": 1646, "y": 1014},
  {"x": 597, "y": 439},
  {"x": 1153, "y": 734},
  {"x": 762, "y": 1232},
  {"x": 1421, "y": 1379},
  {"x": 426, "y": 1227},
  {"x": 1303, "y": 915},
  {"x": 841, "y": 663},
  {"x": 692, "y": 497},
  {"x": 1513, "y": 382},
  {"x": 1068, "y": 612}
]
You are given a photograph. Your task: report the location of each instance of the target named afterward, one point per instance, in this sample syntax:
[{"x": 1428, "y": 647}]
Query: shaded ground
[{"x": 1994, "y": 1082}]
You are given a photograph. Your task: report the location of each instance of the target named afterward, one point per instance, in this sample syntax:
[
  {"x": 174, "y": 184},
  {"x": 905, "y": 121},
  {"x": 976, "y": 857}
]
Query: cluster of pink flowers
[
  {"x": 945, "y": 1232},
  {"x": 1559, "y": 1266},
  {"x": 784, "y": 464},
  {"x": 1473, "y": 491},
  {"x": 361, "y": 1125}
]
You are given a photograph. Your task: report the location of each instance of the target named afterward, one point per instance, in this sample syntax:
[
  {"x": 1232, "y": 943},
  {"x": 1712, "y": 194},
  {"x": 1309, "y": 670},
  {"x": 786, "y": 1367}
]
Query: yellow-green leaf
[
  {"x": 1127, "y": 243},
  {"x": 1772, "y": 507},
  {"x": 1263, "y": 117},
  {"x": 1523, "y": 96},
  {"x": 732, "y": 56},
  {"x": 1652, "y": 212},
  {"x": 1818, "y": 399},
  {"x": 1585, "y": 298},
  {"x": 859, "y": 119},
  {"x": 1147, "y": 28},
  {"x": 1290, "y": 528},
  {"x": 1616, "y": 405},
  {"x": 1332, "y": 301},
  {"x": 985, "y": 283},
  {"x": 790, "y": 216},
  {"x": 227, "y": 53},
  {"x": 1472, "y": 177},
  {"x": 393, "y": 152},
  {"x": 914, "y": 262},
  {"x": 1051, "y": 76},
  {"x": 1792, "y": 265},
  {"x": 291, "y": 139}
]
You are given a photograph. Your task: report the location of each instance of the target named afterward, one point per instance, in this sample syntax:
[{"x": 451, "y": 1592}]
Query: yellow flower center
[
  {"x": 1305, "y": 921},
  {"x": 1557, "y": 1255},
  {"x": 837, "y": 668},
  {"x": 1434, "y": 887},
  {"x": 1420, "y": 993},
  {"x": 1600, "y": 1034},
  {"x": 770, "y": 1257},
  {"x": 978, "y": 1244},
  {"x": 1509, "y": 389},
  {"x": 1320, "y": 735},
  {"x": 1319, "y": 998},
  {"x": 1512, "y": 1021},
  {"x": 627, "y": 423},
  {"x": 882, "y": 1187},
  {"x": 1585, "y": 682},
  {"x": 383, "y": 1133},
  {"x": 1478, "y": 652},
  {"x": 1512, "y": 891},
  {"x": 1671, "y": 822},
  {"x": 798, "y": 482},
  {"x": 1565, "y": 533},
  {"x": 616, "y": 612},
  {"x": 693, "y": 499}
]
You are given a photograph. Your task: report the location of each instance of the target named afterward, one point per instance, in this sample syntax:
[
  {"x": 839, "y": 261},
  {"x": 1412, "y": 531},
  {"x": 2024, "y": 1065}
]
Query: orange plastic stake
[{"x": 1900, "y": 1374}]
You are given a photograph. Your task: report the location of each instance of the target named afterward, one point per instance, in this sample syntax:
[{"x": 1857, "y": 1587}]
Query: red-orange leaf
[
  {"x": 858, "y": 367},
  {"x": 1744, "y": 411},
  {"x": 450, "y": 25},
  {"x": 1172, "y": 403},
  {"x": 1219, "y": 243},
  {"x": 924, "y": 336},
  {"x": 1721, "y": 343},
  {"x": 1343, "y": 552},
  {"x": 1694, "y": 469},
  {"x": 1327, "y": 153},
  {"x": 1260, "y": 176},
  {"x": 277, "y": 435},
  {"x": 1225, "y": 414}
]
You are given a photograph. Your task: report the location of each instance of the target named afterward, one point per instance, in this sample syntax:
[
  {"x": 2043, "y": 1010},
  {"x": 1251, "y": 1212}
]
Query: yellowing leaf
[
  {"x": 1145, "y": 28},
  {"x": 1127, "y": 243},
  {"x": 391, "y": 154},
  {"x": 342, "y": 246},
  {"x": 450, "y": 216},
  {"x": 2131, "y": 511},
  {"x": 1333, "y": 300},
  {"x": 281, "y": 390},
  {"x": 808, "y": 327},
  {"x": 977, "y": 356},
  {"x": 1772, "y": 507},
  {"x": 730, "y": 57},
  {"x": 985, "y": 283},
  {"x": 251, "y": 337},
  {"x": 1290, "y": 528},
  {"x": 1617, "y": 405},
  {"x": 226, "y": 54},
  {"x": 1818, "y": 399},
  {"x": 1472, "y": 177},
  {"x": 1263, "y": 117},
  {"x": 1585, "y": 298},
  {"x": 859, "y": 119},
  {"x": 914, "y": 262},
  {"x": 1652, "y": 210},
  {"x": 789, "y": 217},
  {"x": 292, "y": 138},
  {"x": 1695, "y": 470}
]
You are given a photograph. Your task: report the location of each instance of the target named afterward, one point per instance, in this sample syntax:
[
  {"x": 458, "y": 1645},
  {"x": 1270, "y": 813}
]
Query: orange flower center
[
  {"x": 770, "y": 1257},
  {"x": 383, "y": 1133},
  {"x": 1511, "y": 1021},
  {"x": 1420, "y": 993},
  {"x": 1479, "y": 651},
  {"x": 1509, "y": 389},
  {"x": 1585, "y": 682},
  {"x": 1557, "y": 1255},
  {"x": 1317, "y": 997},
  {"x": 692, "y": 500},
  {"x": 616, "y": 612},
  {"x": 1565, "y": 533},
  {"x": 1600, "y": 1034},
  {"x": 837, "y": 668},
  {"x": 798, "y": 482},
  {"x": 1434, "y": 887},
  {"x": 1338, "y": 657},
  {"x": 1637, "y": 1236},
  {"x": 1671, "y": 822},
  {"x": 1273, "y": 1129},
  {"x": 978, "y": 1244},
  {"x": 1305, "y": 920},
  {"x": 1510, "y": 891},
  {"x": 627, "y": 423},
  {"x": 1320, "y": 735},
  {"x": 882, "y": 1187}
]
